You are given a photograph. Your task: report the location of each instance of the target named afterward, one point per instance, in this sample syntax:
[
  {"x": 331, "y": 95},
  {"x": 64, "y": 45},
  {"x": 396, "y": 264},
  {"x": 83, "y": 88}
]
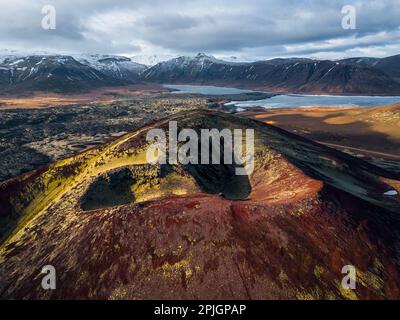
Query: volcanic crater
[{"x": 116, "y": 227}]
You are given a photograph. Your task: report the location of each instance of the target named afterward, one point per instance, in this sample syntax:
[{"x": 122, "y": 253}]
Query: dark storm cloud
[{"x": 253, "y": 28}]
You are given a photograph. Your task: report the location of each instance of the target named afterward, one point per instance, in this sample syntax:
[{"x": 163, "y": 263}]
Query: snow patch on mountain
[{"x": 151, "y": 59}]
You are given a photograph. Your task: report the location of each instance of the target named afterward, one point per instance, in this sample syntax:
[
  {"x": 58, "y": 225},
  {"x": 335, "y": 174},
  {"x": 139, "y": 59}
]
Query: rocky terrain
[
  {"x": 115, "y": 227},
  {"x": 30, "y": 138},
  {"x": 39, "y": 130}
]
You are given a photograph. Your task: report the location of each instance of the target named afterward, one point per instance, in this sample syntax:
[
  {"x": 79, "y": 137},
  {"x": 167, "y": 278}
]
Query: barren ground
[{"x": 369, "y": 133}]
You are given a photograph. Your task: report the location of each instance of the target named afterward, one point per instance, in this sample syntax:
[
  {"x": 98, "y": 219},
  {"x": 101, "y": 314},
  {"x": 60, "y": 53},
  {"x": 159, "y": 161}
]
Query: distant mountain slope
[
  {"x": 331, "y": 77},
  {"x": 391, "y": 66},
  {"x": 284, "y": 75},
  {"x": 50, "y": 73}
]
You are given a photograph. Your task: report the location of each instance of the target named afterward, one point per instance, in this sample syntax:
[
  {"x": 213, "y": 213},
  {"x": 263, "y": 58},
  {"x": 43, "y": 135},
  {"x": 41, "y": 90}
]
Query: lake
[
  {"x": 289, "y": 100},
  {"x": 206, "y": 90},
  {"x": 295, "y": 101}
]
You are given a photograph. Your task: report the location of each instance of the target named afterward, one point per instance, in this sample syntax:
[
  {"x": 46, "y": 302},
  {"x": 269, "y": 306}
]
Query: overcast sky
[{"x": 249, "y": 30}]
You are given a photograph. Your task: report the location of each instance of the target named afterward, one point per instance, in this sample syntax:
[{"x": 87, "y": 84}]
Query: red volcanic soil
[
  {"x": 303, "y": 214},
  {"x": 289, "y": 185},
  {"x": 206, "y": 247}
]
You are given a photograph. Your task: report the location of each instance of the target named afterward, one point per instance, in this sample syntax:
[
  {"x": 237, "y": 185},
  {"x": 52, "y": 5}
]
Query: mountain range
[
  {"x": 301, "y": 75},
  {"x": 61, "y": 73}
]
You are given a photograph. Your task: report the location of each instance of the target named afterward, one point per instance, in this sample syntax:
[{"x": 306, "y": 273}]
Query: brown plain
[{"x": 374, "y": 131}]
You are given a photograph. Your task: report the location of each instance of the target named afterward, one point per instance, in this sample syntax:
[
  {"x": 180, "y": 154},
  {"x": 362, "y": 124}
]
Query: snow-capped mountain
[
  {"x": 58, "y": 73},
  {"x": 203, "y": 68},
  {"x": 118, "y": 67},
  {"x": 185, "y": 68}
]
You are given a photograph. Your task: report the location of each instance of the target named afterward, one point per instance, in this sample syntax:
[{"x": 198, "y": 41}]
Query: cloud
[{"x": 255, "y": 29}]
